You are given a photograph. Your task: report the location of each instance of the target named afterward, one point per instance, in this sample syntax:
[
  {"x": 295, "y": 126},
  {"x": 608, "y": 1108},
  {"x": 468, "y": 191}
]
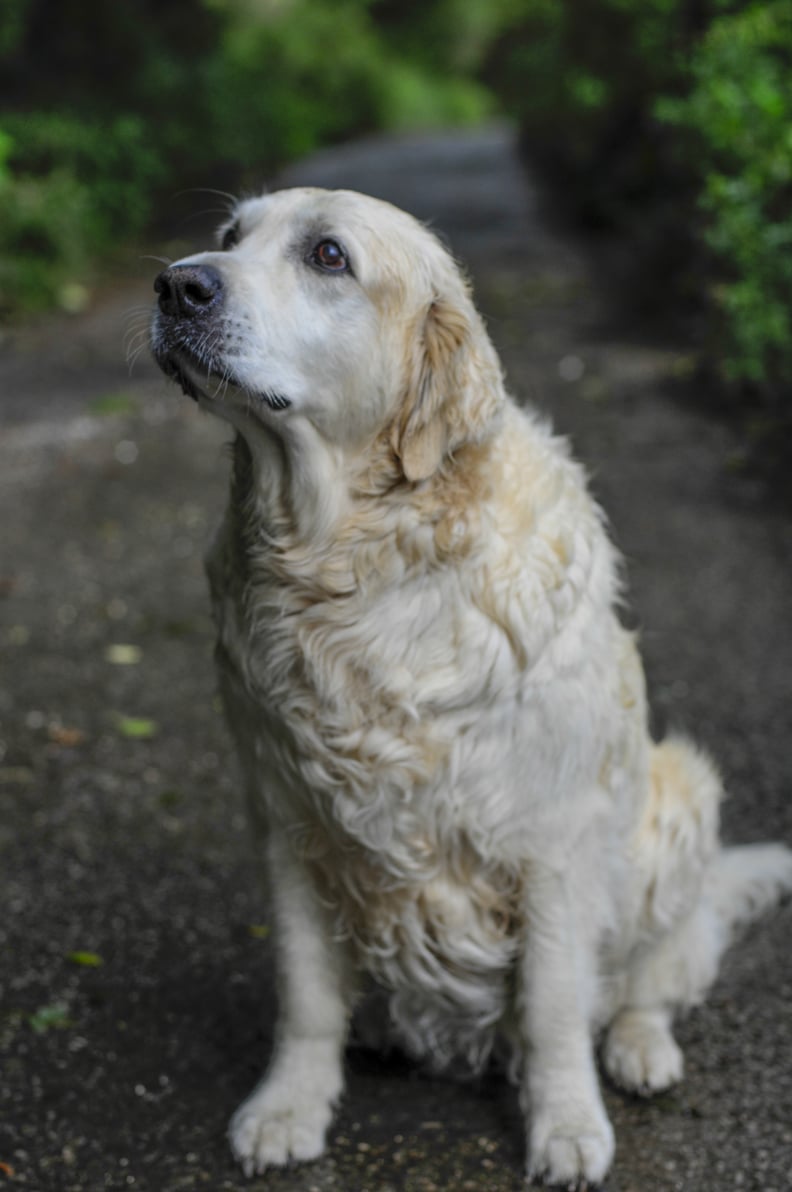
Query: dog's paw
[
  {"x": 640, "y": 1053},
  {"x": 574, "y": 1150},
  {"x": 269, "y": 1130}
]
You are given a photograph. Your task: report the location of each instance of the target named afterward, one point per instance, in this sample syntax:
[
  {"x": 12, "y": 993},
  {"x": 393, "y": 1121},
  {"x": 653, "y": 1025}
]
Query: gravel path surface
[{"x": 136, "y": 997}]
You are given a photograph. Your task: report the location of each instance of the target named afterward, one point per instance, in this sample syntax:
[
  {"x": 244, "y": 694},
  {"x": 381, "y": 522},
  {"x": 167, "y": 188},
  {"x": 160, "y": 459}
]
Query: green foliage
[
  {"x": 70, "y": 185},
  {"x": 738, "y": 117},
  {"x": 673, "y": 117},
  {"x": 159, "y": 97},
  {"x": 582, "y": 77}
]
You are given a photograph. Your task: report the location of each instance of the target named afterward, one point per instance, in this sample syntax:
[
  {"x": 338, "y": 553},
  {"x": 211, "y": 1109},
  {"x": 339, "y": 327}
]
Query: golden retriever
[{"x": 441, "y": 722}]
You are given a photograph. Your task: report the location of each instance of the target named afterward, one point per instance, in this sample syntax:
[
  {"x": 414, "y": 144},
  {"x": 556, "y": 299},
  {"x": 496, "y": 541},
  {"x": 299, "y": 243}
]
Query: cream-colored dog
[{"x": 441, "y": 721}]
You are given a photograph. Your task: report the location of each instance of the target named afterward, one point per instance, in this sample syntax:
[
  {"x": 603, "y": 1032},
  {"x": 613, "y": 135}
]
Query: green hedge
[
  {"x": 672, "y": 118},
  {"x": 736, "y": 120},
  {"x": 104, "y": 109}
]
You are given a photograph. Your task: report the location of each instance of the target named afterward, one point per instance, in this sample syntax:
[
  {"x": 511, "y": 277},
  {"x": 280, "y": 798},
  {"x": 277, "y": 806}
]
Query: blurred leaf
[
  {"x": 259, "y": 931},
  {"x": 111, "y": 404},
  {"x": 121, "y": 654},
  {"x": 85, "y": 959},
  {"x": 136, "y": 727},
  {"x": 67, "y": 737},
  {"x": 73, "y": 297},
  {"x": 49, "y": 1017}
]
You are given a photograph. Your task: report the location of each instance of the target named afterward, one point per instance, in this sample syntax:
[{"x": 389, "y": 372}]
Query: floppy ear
[{"x": 454, "y": 387}]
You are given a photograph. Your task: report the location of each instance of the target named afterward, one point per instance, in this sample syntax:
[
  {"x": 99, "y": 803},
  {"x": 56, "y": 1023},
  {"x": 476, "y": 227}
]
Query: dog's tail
[
  {"x": 745, "y": 881},
  {"x": 697, "y": 893},
  {"x": 681, "y": 854}
]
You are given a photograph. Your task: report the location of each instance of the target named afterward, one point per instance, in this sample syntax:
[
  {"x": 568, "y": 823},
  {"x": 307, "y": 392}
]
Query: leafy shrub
[
  {"x": 672, "y": 119},
  {"x": 583, "y": 76},
  {"x": 738, "y": 120},
  {"x": 164, "y": 96},
  {"x": 71, "y": 185}
]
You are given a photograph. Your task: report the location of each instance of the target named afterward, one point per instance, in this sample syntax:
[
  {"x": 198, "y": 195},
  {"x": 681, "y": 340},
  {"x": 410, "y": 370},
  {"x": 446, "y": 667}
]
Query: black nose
[{"x": 189, "y": 290}]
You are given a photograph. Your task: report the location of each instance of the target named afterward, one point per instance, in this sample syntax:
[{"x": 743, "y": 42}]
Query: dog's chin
[
  {"x": 175, "y": 370},
  {"x": 210, "y": 385}
]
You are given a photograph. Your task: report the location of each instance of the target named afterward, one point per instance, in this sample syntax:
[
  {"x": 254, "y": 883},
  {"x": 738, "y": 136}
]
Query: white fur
[{"x": 441, "y": 721}]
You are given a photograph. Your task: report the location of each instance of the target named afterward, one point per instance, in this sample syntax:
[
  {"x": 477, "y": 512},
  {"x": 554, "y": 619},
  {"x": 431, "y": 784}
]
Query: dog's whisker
[
  {"x": 137, "y": 324},
  {"x": 231, "y": 200},
  {"x": 166, "y": 261},
  {"x": 195, "y": 216},
  {"x": 135, "y": 343},
  {"x": 134, "y": 355}
]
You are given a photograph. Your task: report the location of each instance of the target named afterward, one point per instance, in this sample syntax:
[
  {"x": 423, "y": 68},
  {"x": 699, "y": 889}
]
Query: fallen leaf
[
  {"x": 136, "y": 726},
  {"x": 86, "y": 959},
  {"x": 7, "y": 1170},
  {"x": 113, "y": 403},
  {"x": 47, "y": 1017},
  {"x": 121, "y": 654},
  {"x": 68, "y": 737}
]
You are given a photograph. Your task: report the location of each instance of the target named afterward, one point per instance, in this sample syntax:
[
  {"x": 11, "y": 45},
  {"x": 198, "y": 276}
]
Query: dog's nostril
[
  {"x": 188, "y": 289},
  {"x": 197, "y": 294},
  {"x": 163, "y": 288}
]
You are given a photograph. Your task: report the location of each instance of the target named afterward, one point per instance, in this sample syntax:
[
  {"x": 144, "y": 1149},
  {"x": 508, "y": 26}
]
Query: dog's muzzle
[
  {"x": 188, "y": 336},
  {"x": 187, "y": 327}
]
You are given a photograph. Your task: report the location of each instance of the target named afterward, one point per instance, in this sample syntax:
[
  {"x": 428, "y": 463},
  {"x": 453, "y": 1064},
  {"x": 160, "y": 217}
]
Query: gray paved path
[{"x": 121, "y": 826}]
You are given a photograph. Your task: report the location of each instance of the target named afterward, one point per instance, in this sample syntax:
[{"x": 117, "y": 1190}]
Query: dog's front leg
[
  {"x": 570, "y": 1137},
  {"x": 286, "y": 1116}
]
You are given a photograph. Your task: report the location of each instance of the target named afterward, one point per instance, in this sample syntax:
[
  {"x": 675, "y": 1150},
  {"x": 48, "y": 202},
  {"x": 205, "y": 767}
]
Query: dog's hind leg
[
  {"x": 696, "y": 894},
  {"x": 286, "y": 1116},
  {"x": 640, "y": 1053}
]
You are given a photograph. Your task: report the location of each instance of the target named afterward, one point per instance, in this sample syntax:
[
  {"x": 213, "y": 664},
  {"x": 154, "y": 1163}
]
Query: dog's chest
[
  {"x": 360, "y": 702},
  {"x": 363, "y": 777}
]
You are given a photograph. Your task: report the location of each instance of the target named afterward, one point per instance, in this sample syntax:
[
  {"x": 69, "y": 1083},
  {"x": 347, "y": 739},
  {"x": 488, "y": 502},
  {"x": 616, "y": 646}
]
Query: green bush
[
  {"x": 161, "y": 97},
  {"x": 70, "y": 186},
  {"x": 737, "y": 118},
  {"x": 582, "y": 77},
  {"x": 672, "y": 119}
]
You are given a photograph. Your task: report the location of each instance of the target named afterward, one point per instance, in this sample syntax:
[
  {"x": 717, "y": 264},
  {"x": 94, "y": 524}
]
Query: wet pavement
[{"x": 136, "y": 991}]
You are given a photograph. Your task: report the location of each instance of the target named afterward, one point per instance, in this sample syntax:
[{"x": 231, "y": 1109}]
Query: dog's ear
[{"x": 453, "y": 389}]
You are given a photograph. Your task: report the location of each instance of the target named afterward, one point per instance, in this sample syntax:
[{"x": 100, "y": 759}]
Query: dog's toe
[
  {"x": 640, "y": 1053},
  {"x": 572, "y": 1155},
  {"x": 262, "y": 1136}
]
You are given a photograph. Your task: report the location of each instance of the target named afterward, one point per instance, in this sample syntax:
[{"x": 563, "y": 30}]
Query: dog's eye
[
  {"x": 230, "y": 237},
  {"x": 330, "y": 256}
]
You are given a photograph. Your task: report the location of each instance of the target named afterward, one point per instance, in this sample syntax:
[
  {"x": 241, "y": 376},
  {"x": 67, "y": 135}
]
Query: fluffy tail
[
  {"x": 697, "y": 893},
  {"x": 744, "y": 882}
]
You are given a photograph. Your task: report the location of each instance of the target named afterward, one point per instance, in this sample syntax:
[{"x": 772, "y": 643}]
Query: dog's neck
[{"x": 293, "y": 484}]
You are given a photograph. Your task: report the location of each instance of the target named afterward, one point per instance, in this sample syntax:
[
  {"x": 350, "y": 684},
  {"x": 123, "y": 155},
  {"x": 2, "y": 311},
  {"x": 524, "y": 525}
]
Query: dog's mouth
[{"x": 202, "y": 373}]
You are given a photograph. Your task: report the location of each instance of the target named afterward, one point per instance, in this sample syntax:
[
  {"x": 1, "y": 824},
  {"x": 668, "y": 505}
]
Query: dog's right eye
[{"x": 230, "y": 237}]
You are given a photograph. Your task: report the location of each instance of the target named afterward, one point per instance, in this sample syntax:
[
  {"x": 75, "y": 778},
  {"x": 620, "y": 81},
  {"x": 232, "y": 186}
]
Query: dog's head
[{"x": 338, "y": 309}]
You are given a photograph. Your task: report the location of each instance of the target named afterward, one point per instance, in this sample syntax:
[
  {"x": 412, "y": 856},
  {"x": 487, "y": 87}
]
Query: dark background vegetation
[{"x": 667, "y": 122}]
